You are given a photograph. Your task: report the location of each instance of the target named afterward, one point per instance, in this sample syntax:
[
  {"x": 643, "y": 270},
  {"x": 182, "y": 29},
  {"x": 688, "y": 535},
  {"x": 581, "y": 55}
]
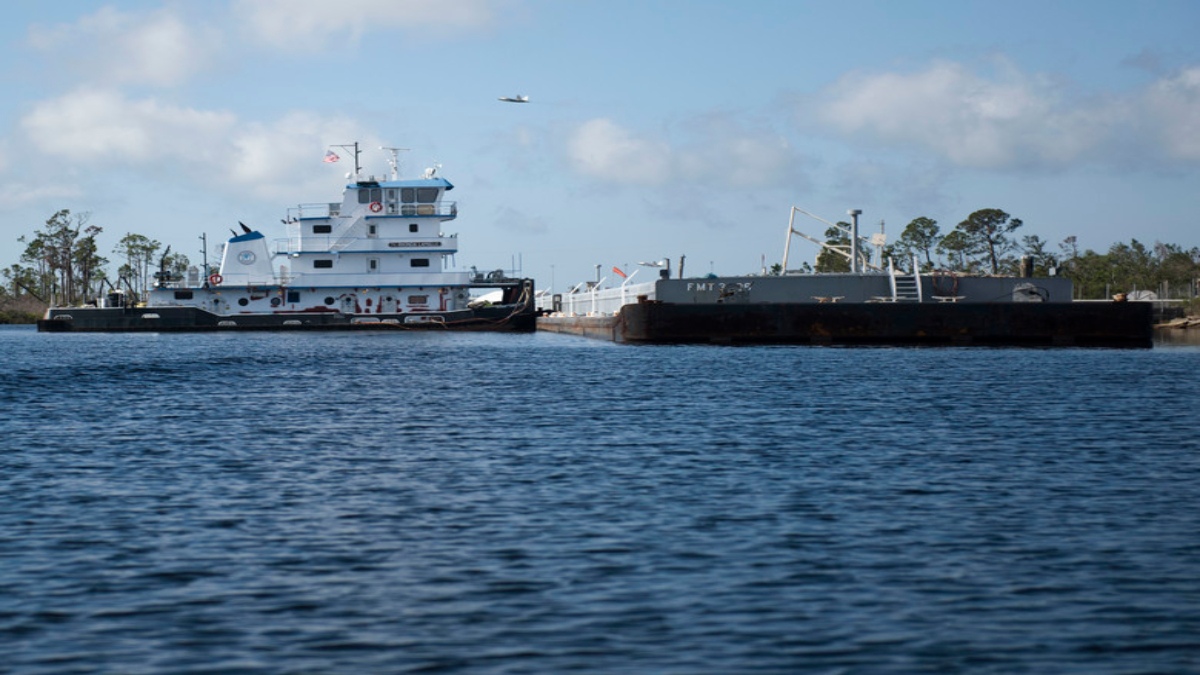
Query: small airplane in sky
[{"x": 515, "y": 99}]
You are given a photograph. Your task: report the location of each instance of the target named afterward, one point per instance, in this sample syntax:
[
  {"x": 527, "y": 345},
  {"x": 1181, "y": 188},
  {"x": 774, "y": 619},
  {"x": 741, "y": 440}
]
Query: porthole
[
  {"x": 243, "y": 302},
  {"x": 329, "y": 301}
]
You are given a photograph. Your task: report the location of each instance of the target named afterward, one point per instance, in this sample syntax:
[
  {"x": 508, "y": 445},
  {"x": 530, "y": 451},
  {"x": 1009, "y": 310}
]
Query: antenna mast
[
  {"x": 348, "y": 147},
  {"x": 394, "y": 162},
  {"x": 204, "y": 255}
]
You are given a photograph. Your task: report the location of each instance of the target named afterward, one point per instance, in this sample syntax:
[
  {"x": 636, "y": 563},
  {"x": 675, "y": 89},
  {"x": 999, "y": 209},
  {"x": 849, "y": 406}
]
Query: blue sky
[{"x": 655, "y": 128}]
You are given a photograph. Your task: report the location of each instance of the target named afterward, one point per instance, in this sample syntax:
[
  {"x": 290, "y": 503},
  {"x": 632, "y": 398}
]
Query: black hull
[
  {"x": 195, "y": 320},
  {"x": 1127, "y": 325}
]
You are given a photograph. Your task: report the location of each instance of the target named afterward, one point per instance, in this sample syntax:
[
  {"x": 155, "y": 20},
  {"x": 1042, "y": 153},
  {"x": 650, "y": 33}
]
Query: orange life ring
[
  {"x": 215, "y": 279},
  {"x": 376, "y": 207}
]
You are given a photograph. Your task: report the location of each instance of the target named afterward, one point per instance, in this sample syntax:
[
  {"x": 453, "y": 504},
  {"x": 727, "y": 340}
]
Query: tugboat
[{"x": 375, "y": 260}]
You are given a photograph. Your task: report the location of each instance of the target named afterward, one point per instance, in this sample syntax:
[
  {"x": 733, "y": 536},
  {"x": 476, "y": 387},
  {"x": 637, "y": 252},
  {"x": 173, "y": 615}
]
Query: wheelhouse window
[
  {"x": 427, "y": 195},
  {"x": 368, "y": 195},
  {"x": 322, "y": 229},
  {"x": 322, "y": 264},
  {"x": 419, "y": 262}
]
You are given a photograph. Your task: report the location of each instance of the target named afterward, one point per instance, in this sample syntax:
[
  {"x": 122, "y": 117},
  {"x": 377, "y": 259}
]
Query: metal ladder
[{"x": 906, "y": 287}]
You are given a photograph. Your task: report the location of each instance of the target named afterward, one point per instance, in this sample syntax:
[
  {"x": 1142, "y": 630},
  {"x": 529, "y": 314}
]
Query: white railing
[
  {"x": 321, "y": 243},
  {"x": 323, "y": 210},
  {"x": 916, "y": 269},
  {"x": 444, "y": 209},
  {"x": 594, "y": 300},
  {"x": 325, "y": 279}
]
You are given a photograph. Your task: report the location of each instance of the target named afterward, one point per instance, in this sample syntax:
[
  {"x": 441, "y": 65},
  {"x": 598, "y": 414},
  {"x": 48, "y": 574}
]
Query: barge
[
  {"x": 865, "y": 306},
  {"x": 853, "y": 310}
]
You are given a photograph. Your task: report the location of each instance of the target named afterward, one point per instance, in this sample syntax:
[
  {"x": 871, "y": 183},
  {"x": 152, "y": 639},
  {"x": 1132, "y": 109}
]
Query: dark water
[{"x": 398, "y": 503}]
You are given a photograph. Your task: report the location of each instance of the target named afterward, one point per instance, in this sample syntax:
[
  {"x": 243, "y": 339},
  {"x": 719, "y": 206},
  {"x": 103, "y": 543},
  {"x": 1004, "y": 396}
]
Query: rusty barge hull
[{"x": 1085, "y": 324}]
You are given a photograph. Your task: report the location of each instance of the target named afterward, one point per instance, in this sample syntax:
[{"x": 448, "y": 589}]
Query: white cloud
[
  {"x": 113, "y": 47},
  {"x": 1172, "y": 105},
  {"x": 721, "y": 152},
  {"x": 17, "y": 194},
  {"x": 1011, "y": 119},
  {"x": 309, "y": 23},
  {"x": 92, "y": 125},
  {"x": 714, "y": 152},
  {"x": 601, "y": 149},
  {"x": 283, "y": 157},
  {"x": 98, "y": 128}
]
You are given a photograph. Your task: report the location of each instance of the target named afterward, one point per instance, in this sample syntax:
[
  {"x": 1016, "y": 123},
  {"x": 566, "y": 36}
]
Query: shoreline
[{"x": 1184, "y": 323}]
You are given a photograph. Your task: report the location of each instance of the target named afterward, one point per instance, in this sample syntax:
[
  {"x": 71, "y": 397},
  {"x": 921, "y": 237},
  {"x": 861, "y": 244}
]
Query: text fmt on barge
[{"x": 376, "y": 260}]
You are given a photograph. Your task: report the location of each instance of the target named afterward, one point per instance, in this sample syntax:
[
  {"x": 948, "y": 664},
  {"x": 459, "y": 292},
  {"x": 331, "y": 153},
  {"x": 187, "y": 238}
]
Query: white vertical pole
[{"x": 854, "y": 239}]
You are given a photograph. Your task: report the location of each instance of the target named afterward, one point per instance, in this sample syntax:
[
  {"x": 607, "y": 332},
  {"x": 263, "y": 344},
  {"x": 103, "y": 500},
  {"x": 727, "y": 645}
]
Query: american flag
[{"x": 331, "y": 156}]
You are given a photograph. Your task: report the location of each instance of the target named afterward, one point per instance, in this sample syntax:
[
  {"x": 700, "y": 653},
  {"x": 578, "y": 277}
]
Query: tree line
[
  {"x": 62, "y": 264},
  {"x": 987, "y": 242}
]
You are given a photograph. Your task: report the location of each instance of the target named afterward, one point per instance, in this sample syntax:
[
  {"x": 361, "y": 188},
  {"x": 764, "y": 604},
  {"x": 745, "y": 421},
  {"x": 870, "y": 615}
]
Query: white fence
[{"x": 592, "y": 300}]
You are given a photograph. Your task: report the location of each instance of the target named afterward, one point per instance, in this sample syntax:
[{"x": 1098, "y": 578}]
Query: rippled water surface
[{"x": 388, "y": 503}]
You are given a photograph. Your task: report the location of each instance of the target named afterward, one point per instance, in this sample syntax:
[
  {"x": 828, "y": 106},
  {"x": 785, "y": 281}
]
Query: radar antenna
[{"x": 394, "y": 162}]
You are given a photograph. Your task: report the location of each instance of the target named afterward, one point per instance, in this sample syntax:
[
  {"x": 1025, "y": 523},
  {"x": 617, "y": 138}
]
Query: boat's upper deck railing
[
  {"x": 334, "y": 209},
  {"x": 321, "y": 243}
]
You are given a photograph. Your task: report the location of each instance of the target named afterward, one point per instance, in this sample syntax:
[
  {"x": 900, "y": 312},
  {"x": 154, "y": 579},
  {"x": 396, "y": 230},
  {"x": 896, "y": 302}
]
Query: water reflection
[{"x": 1177, "y": 337}]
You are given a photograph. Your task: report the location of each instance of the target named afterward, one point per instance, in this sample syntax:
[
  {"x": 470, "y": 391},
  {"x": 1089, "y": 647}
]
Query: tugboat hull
[{"x": 195, "y": 320}]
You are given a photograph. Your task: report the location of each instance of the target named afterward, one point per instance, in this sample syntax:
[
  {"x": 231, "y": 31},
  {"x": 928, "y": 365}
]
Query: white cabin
[{"x": 380, "y": 251}]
